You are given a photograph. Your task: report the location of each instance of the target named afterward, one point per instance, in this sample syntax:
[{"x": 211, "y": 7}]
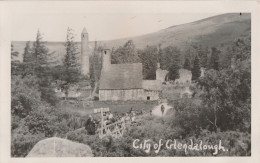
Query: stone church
[{"x": 124, "y": 82}]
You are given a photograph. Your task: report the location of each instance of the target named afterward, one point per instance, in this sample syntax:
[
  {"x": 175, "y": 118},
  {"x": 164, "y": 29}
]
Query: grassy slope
[{"x": 214, "y": 31}]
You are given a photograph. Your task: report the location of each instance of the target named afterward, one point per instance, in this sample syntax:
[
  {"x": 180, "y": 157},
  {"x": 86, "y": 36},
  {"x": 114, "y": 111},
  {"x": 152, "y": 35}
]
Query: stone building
[
  {"x": 84, "y": 53},
  {"x": 124, "y": 82},
  {"x": 185, "y": 77},
  {"x": 161, "y": 74}
]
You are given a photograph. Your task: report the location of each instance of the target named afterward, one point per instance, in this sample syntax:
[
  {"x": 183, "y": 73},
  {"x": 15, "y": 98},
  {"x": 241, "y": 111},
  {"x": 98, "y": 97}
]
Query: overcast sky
[{"x": 26, "y": 19}]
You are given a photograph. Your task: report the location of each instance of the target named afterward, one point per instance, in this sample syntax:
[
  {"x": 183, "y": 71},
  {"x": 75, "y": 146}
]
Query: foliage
[
  {"x": 171, "y": 55},
  {"x": 27, "y": 53},
  {"x": 237, "y": 143},
  {"x": 173, "y": 72},
  {"x": 92, "y": 76},
  {"x": 227, "y": 95},
  {"x": 148, "y": 57},
  {"x": 125, "y": 54},
  {"x": 14, "y": 63},
  {"x": 187, "y": 64},
  {"x": 203, "y": 55},
  {"x": 39, "y": 53},
  {"x": 22, "y": 141},
  {"x": 214, "y": 59},
  {"x": 25, "y": 95},
  {"x": 196, "y": 69}
]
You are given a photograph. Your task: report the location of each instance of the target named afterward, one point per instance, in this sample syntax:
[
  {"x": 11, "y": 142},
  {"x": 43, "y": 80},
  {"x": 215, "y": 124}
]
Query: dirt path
[{"x": 157, "y": 109}]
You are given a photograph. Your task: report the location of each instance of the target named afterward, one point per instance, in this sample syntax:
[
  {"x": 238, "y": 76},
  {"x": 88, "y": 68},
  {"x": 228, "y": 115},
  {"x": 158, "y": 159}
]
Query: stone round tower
[{"x": 84, "y": 53}]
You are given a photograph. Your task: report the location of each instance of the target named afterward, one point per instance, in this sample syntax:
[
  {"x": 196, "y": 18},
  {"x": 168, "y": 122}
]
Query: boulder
[{"x": 58, "y": 147}]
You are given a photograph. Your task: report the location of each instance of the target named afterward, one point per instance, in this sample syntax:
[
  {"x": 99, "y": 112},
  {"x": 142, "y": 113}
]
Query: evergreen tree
[
  {"x": 187, "y": 64},
  {"x": 214, "y": 59},
  {"x": 196, "y": 69},
  {"x": 71, "y": 73},
  {"x": 27, "y": 53},
  {"x": 40, "y": 67},
  {"x": 14, "y": 63},
  {"x": 174, "y": 72},
  {"x": 39, "y": 53}
]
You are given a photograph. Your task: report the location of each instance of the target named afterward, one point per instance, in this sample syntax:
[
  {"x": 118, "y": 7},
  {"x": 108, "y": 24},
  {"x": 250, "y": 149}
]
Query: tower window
[
  {"x": 83, "y": 36},
  {"x": 105, "y": 52}
]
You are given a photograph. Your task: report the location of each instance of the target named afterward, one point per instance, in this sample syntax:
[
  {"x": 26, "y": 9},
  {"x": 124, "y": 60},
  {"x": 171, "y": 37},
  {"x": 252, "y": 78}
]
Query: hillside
[{"x": 213, "y": 31}]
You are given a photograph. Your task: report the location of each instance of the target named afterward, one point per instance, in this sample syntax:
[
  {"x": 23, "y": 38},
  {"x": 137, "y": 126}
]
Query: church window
[{"x": 148, "y": 98}]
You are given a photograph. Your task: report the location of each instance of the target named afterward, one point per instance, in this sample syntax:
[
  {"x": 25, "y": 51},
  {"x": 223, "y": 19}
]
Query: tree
[
  {"x": 171, "y": 55},
  {"x": 14, "y": 63},
  {"x": 174, "y": 72},
  {"x": 27, "y": 53},
  {"x": 160, "y": 55},
  {"x": 214, "y": 59},
  {"x": 13, "y": 53},
  {"x": 196, "y": 69},
  {"x": 71, "y": 73},
  {"x": 148, "y": 57},
  {"x": 203, "y": 55},
  {"x": 41, "y": 68},
  {"x": 92, "y": 76},
  {"x": 125, "y": 54},
  {"x": 97, "y": 61},
  {"x": 226, "y": 58},
  {"x": 39, "y": 53},
  {"x": 187, "y": 64},
  {"x": 227, "y": 92}
]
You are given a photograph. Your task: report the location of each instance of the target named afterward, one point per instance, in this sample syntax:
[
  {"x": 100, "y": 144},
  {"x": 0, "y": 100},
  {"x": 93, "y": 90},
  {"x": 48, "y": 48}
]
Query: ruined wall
[{"x": 161, "y": 74}]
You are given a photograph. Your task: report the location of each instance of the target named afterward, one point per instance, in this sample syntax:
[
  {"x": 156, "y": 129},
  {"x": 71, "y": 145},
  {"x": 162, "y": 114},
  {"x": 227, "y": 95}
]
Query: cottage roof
[
  {"x": 154, "y": 85},
  {"x": 122, "y": 76}
]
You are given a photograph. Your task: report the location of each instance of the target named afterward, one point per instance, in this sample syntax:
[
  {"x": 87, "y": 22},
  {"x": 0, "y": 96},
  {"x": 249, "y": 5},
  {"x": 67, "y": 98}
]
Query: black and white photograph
[{"x": 129, "y": 84}]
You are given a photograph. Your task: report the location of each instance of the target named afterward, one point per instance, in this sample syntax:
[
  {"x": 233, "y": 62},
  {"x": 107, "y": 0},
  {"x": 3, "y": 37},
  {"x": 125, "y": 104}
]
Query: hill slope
[{"x": 213, "y": 31}]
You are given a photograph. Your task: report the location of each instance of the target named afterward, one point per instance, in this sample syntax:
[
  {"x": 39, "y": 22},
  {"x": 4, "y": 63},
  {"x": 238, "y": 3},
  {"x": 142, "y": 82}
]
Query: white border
[{"x": 125, "y": 7}]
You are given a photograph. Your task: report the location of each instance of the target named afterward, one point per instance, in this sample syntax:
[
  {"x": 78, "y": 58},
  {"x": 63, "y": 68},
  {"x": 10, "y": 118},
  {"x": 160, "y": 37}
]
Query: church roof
[
  {"x": 122, "y": 76},
  {"x": 84, "y": 30},
  {"x": 152, "y": 85}
]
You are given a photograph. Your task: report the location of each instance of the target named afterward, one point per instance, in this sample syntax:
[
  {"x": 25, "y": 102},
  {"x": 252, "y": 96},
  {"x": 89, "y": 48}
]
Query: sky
[{"x": 101, "y": 25}]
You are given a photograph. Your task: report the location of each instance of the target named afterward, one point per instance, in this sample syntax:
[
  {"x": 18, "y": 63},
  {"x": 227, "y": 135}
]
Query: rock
[{"x": 58, "y": 147}]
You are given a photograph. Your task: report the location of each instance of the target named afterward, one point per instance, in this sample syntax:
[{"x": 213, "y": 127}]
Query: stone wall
[
  {"x": 115, "y": 95},
  {"x": 161, "y": 74},
  {"x": 128, "y": 95},
  {"x": 153, "y": 95}
]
